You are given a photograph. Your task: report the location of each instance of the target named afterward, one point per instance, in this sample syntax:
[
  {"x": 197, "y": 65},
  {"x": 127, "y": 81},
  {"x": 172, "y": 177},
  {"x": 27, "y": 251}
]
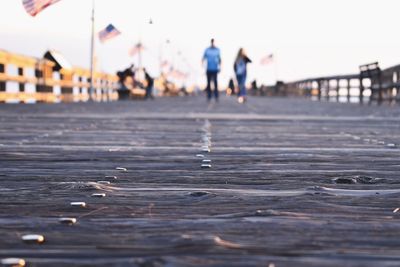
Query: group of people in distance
[
  {"x": 212, "y": 58},
  {"x": 127, "y": 80}
]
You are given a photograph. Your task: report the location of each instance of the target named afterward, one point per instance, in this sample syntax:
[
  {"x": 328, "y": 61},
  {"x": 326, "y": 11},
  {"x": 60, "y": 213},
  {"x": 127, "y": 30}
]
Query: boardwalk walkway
[{"x": 292, "y": 183}]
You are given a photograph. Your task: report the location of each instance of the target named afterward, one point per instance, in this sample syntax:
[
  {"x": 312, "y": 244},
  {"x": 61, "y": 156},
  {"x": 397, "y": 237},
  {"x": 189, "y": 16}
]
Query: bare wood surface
[{"x": 292, "y": 183}]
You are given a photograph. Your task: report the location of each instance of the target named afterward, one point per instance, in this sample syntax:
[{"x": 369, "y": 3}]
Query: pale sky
[{"x": 308, "y": 37}]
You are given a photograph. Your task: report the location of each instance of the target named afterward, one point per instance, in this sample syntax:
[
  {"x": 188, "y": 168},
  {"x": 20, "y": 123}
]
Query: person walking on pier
[
  {"x": 149, "y": 85},
  {"x": 212, "y": 56},
  {"x": 240, "y": 68},
  {"x": 125, "y": 79},
  {"x": 231, "y": 87}
]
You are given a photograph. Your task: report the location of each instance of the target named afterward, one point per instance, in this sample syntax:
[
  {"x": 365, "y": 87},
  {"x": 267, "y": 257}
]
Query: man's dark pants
[{"x": 212, "y": 77}]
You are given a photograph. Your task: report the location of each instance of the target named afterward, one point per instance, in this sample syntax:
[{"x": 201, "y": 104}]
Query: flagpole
[{"x": 91, "y": 90}]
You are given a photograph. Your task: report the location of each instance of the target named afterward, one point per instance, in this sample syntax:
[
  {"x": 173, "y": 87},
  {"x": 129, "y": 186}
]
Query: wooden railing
[
  {"x": 383, "y": 85},
  {"x": 26, "y": 79}
]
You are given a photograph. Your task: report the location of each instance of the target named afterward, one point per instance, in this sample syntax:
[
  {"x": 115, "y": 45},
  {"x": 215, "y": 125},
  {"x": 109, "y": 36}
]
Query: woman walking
[{"x": 240, "y": 68}]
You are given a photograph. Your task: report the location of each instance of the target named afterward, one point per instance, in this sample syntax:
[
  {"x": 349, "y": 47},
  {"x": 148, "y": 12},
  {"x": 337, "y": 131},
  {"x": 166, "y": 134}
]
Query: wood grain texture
[{"x": 293, "y": 183}]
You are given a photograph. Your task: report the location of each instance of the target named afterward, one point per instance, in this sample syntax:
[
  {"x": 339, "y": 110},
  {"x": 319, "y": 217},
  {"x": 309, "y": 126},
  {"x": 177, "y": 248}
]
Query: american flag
[
  {"x": 136, "y": 49},
  {"x": 34, "y": 7},
  {"x": 109, "y": 32},
  {"x": 267, "y": 59}
]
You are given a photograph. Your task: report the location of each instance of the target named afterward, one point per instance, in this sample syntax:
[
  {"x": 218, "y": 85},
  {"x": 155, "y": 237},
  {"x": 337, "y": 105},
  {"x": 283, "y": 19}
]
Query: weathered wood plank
[{"x": 292, "y": 182}]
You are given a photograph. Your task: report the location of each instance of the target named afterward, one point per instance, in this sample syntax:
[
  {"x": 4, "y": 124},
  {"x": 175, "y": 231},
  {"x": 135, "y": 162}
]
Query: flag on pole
[
  {"x": 136, "y": 49},
  {"x": 108, "y": 33},
  {"x": 267, "y": 60},
  {"x": 34, "y": 7}
]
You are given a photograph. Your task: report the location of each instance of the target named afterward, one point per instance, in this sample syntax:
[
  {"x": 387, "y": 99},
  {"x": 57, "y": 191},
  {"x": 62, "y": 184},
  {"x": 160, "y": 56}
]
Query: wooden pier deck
[{"x": 292, "y": 183}]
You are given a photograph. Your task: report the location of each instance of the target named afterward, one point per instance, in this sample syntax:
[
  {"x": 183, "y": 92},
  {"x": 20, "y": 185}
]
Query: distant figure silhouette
[
  {"x": 240, "y": 68},
  {"x": 124, "y": 78},
  {"x": 212, "y": 56},
  {"x": 149, "y": 85},
  {"x": 231, "y": 87}
]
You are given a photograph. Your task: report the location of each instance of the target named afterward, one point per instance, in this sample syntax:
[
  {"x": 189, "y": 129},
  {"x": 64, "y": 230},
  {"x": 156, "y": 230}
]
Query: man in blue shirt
[{"x": 212, "y": 56}]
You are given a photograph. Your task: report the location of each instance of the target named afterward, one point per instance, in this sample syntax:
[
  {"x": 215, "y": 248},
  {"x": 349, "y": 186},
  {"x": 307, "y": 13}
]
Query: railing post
[
  {"x": 328, "y": 88},
  {"x": 86, "y": 87},
  {"x": 319, "y": 90},
  {"x": 90, "y": 90},
  {"x": 39, "y": 78},
  {"x": 348, "y": 90},
  {"x": 103, "y": 89},
  {"x": 2, "y": 83},
  {"x": 391, "y": 87},
  {"x": 109, "y": 90},
  {"x": 80, "y": 89},
  {"x": 67, "y": 85},
  {"x": 361, "y": 96},
  {"x": 21, "y": 84},
  {"x": 397, "y": 88},
  {"x": 337, "y": 89}
]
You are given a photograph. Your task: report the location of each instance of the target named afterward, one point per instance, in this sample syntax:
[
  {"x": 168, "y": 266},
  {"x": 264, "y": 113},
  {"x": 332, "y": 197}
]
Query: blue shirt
[{"x": 213, "y": 57}]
